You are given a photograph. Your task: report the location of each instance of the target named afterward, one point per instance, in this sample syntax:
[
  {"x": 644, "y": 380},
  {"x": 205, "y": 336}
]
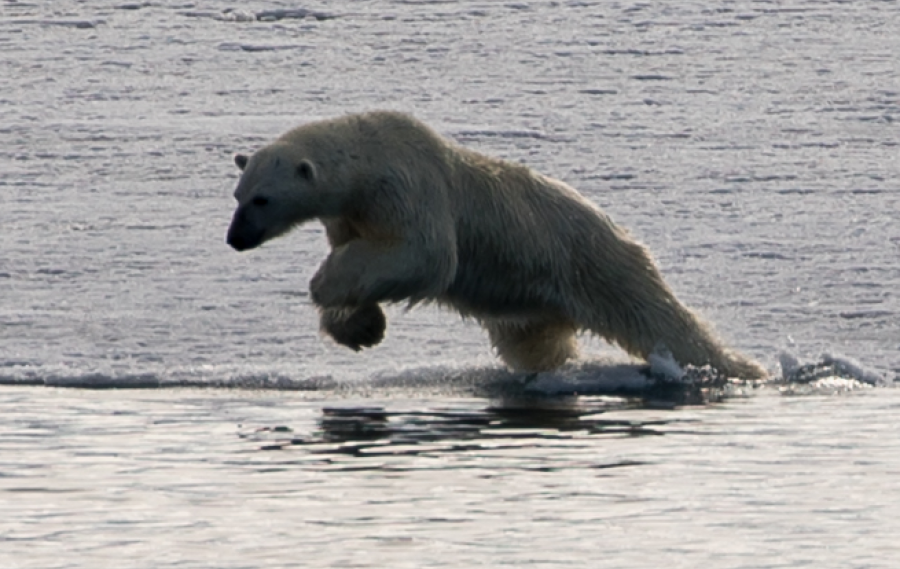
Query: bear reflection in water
[
  {"x": 379, "y": 437},
  {"x": 519, "y": 418},
  {"x": 412, "y": 217}
]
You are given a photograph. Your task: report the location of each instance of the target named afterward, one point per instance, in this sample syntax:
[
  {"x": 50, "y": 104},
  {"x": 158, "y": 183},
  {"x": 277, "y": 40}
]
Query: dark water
[{"x": 751, "y": 145}]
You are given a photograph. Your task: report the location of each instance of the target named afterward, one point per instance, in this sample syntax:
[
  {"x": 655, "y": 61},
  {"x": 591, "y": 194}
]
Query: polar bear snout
[
  {"x": 241, "y": 242},
  {"x": 242, "y": 234}
]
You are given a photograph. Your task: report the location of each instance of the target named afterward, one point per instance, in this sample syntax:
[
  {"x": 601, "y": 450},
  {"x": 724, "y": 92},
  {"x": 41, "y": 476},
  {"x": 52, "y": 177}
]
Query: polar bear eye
[
  {"x": 306, "y": 170},
  {"x": 260, "y": 201}
]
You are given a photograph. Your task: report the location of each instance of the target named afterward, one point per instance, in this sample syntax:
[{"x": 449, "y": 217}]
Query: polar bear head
[
  {"x": 327, "y": 169},
  {"x": 279, "y": 188}
]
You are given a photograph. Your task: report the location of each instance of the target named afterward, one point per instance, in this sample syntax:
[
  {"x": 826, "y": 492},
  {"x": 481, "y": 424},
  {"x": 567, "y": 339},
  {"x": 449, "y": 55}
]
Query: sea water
[{"x": 752, "y": 146}]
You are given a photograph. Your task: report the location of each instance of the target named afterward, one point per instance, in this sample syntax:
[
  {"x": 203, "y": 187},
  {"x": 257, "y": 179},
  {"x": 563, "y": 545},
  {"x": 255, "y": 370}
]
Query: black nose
[
  {"x": 243, "y": 236},
  {"x": 238, "y": 232},
  {"x": 236, "y": 241}
]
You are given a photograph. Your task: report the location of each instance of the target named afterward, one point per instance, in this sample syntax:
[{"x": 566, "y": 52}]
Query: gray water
[{"x": 751, "y": 145}]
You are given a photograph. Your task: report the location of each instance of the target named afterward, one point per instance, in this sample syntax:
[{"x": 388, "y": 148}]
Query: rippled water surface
[
  {"x": 232, "y": 479},
  {"x": 751, "y": 145}
]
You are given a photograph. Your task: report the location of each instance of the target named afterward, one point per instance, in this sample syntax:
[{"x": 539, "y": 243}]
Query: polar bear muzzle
[{"x": 242, "y": 234}]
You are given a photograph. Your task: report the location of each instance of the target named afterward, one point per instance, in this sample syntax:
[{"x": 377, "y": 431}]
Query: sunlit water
[
  {"x": 269, "y": 479},
  {"x": 751, "y": 145}
]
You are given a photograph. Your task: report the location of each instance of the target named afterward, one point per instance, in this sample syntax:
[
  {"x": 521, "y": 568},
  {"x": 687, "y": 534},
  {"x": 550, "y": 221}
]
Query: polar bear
[{"x": 412, "y": 217}]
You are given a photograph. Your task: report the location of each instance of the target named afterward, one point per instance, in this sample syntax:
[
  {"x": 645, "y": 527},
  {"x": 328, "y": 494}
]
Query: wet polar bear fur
[{"x": 412, "y": 217}]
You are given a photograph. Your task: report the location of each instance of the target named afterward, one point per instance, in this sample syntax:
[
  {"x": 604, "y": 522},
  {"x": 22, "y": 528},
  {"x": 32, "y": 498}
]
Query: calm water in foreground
[
  {"x": 253, "y": 479},
  {"x": 751, "y": 145}
]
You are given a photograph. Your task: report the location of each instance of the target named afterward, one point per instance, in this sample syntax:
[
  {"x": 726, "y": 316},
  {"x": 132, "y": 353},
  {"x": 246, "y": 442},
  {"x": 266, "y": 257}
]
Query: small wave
[
  {"x": 661, "y": 383},
  {"x": 651, "y": 77},
  {"x": 79, "y": 24},
  {"x": 830, "y": 374},
  {"x": 234, "y": 46},
  {"x": 233, "y": 15},
  {"x": 111, "y": 380},
  {"x": 474, "y": 134},
  {"x": 599, "y": 91}
]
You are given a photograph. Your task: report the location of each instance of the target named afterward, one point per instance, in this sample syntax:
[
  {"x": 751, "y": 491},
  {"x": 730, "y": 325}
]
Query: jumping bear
[{"x": 411, "y": 216}]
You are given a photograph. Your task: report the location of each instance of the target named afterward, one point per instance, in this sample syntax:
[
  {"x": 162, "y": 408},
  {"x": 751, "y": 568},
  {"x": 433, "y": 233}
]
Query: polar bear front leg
[{"x": 361, "y": 273}]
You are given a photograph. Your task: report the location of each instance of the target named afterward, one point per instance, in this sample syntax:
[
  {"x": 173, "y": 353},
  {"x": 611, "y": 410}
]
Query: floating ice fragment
[
  {"x": 238, "y": 16},
  {"x": 830, "y": 373},
  {"x": 849, "y": 368},
  {"x": 789, "y": 365},
  {"x": 663, "y": 364}
]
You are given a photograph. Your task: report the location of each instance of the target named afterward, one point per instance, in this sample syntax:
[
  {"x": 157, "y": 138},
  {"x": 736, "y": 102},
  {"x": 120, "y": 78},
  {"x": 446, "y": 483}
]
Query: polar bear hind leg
[{"x": 533, "y": 345}]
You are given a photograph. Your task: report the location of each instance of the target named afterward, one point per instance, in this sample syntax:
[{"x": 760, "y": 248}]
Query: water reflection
[
  {"x": 362, "y": 438},
  {"x": 524, "y": 427}
]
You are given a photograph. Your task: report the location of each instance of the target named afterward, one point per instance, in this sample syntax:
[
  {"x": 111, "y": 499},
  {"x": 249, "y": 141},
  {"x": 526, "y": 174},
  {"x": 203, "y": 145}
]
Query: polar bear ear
[
  {"x": 241, "y": 161},
  {"x": 306, "y": 170}
]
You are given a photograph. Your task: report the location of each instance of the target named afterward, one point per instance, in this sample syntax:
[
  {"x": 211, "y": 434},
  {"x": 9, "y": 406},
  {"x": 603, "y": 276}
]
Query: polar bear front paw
[{"x": 355, "y": 327}]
